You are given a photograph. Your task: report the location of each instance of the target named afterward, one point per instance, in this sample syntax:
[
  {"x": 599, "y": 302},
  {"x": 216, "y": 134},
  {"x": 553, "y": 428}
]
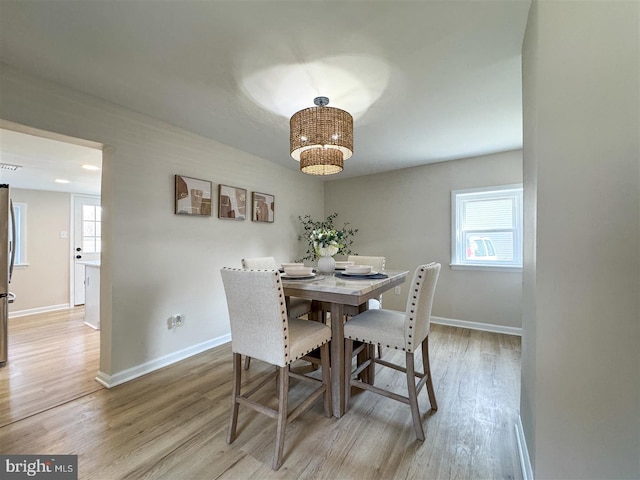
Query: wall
[
  {"x": 405, "y": 215},
  {"x": 45, "y": 281},
  {"x": 581, "y": 361},
  {"x": 155, "y": 263}
]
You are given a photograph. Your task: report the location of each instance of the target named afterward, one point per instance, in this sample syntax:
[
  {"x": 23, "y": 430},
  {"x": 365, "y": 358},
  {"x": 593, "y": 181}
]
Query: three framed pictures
[{"x": 193, "y": 196}]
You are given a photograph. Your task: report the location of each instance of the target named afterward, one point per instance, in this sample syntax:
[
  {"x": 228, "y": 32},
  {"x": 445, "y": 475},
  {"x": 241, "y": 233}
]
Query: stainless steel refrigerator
[{"x": 7, "y": 257}]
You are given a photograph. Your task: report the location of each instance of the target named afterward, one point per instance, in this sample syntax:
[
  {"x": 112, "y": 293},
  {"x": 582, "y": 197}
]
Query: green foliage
[{"x": 323, "y": 238}]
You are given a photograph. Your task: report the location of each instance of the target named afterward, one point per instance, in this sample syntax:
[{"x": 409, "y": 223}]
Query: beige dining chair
[
  {"x": 378, "y": 265},
  {"x": 408, "y": 331},
  {"x": 297, "y": 307},
  {"x": 261, "y": 328}
]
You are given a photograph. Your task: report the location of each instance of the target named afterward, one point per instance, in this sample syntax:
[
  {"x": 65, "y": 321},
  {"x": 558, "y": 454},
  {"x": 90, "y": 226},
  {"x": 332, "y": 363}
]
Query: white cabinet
[{"x": 92, "y": 295}]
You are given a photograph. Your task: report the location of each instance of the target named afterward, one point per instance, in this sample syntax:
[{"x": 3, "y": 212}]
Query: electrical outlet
[
  {"x": 396, "y": 290},
  {"x": 174, "y": 321}
]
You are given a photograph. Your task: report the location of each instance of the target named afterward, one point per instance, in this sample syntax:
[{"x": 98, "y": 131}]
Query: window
[
  {"x": 486, "y": 227},
  {"x": 20, "y": 213},
  {"x": 91, "y": 229}
]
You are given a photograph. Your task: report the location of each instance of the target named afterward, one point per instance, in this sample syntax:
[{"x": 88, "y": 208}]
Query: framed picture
[
  {"x": 263, "y": 207},
  {"x": 232, "y": 202},
  {"x": 193, "y": 196}
]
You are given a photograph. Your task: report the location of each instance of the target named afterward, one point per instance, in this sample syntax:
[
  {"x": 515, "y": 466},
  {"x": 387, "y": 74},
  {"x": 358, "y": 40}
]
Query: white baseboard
[
  {"x": 110, "y": 381},
  {"x": 33, "y": 311},
  {"x": 523, "y": 451},
  {"x": 485, "y": 327}
]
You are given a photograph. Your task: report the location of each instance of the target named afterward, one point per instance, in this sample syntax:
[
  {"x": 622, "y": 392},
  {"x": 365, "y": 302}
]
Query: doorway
[
  {"x": 52, "y": 170},
  {"x": 87, "y": 242}
]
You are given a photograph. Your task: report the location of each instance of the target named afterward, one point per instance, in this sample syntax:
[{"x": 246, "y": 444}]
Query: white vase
[{"x": 326, "y": 264}]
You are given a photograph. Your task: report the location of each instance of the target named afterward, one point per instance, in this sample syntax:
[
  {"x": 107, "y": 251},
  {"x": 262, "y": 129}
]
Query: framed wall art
[
  {"x": 263, "y": 207},
  {"x": 232, "y": 202},
  {"x": 193, "y": 196}
]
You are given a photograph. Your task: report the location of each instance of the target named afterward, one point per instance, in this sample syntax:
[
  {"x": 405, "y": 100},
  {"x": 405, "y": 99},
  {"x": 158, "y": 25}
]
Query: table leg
[
  {"x": 316, "y": 314},
  {"x": 337, "y": 359}
]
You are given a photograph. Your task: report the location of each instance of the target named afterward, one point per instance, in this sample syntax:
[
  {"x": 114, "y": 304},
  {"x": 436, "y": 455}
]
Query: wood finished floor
[
  {"x": 53, "y": 358},
  {"x": 172, "y": 424}
]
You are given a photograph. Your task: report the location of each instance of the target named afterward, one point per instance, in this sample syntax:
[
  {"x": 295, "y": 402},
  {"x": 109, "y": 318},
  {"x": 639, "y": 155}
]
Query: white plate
[
  {"x": 296, "y": 277},
  {"x": 372, "y": 272}
]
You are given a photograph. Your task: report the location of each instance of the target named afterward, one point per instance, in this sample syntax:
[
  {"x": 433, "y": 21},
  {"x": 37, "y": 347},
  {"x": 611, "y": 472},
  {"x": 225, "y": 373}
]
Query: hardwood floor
[
  {"x": 53, "y": 358},
  {"x": 172, "y": 424}
]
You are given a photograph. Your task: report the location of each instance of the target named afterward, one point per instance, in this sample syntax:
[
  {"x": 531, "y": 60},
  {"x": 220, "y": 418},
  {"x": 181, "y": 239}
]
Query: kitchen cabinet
[{"x": 92, "y": 294}]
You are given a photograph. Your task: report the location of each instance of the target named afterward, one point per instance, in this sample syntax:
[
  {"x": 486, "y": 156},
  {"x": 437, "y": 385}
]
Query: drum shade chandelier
[{"x": 321, "y": 138}]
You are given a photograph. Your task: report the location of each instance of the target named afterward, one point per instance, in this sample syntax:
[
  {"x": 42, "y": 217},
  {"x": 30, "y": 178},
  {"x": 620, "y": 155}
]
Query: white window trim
[{"x": 456, "y": 232}]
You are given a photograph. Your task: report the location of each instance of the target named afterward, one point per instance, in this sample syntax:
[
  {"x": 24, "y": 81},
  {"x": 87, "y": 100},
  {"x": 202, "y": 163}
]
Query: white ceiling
[
  {"x": 426, "y": 81},
  {"x": 42, "y": 161}
]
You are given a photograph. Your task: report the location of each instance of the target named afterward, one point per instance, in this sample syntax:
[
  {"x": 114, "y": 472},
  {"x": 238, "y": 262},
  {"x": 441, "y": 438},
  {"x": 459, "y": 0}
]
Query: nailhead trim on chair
[
  {"x": 308, "y": 351},
  {"x": 356, "y": 339},
  {"x": 413, "y": 305},
  {"x": 284, "y": 320},
  {"x": 283, "y": 312}
]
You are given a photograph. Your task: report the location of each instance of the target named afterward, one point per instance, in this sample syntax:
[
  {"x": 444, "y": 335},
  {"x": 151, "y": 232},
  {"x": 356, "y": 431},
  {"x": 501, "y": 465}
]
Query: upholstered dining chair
[
  {"x": 377, "y": 264},
  {"x": 261, "y": 328},
  {"x": 408, "y": 331},
  {"x": 297, "y": 307}
]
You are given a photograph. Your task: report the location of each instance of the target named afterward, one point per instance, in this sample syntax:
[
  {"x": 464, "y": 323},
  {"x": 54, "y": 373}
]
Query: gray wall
[
  {"x": 156, "y": 263},
  {"x": 405, "y": 215},
  {"x": 580, "y": 401}
]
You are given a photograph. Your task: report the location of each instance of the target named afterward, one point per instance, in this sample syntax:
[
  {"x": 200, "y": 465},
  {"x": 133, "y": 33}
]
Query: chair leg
[
  {"x": 363, "y": 356},
  {"x": 413, "y": 397},
  {"x": 237, "y": 373},
  {"x": 348, "y": 352},
  {"x": 371, "y": 371},
  {"x": 326, "y": 378},
  {"x": 247, "y": 362},
  {"x": 283, "y": 394},
  {"x": 427, "y": 371},
  {"x": 379, "y": 351}
]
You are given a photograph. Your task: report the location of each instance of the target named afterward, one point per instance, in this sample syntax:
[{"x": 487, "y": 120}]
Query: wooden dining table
[{"x": 341, "y": 297}]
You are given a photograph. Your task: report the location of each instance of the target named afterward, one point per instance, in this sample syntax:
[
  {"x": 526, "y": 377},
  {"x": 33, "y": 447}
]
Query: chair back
[
  {"x": 377, "y": 263},
  {"x": 419, "y": 303},
  {"x": 260, "y": 263},
  {"x": 258, "y": 314}
]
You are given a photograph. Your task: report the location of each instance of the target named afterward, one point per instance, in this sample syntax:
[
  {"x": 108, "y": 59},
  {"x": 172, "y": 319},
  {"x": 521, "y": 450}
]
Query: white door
[{"x": 87, "y": 244}]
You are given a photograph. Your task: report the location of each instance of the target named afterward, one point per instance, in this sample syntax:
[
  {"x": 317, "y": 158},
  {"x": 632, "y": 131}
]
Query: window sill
[
  {"x": 487, "y": 268},
  {"x": 20, "y": 266}
]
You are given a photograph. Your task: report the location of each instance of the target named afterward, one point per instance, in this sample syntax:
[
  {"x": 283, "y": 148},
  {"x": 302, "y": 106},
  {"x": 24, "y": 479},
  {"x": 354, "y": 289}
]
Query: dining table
[{"x": 342, "y": 296}]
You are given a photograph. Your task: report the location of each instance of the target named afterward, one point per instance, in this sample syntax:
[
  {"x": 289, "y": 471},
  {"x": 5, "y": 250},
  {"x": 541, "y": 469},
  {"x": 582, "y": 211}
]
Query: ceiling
[
  {"x": 426, "y": 81},
  {"x": 42, "y": 161}
]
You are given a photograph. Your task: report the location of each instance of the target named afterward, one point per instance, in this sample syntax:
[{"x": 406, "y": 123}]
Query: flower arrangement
[
  {"x": 324, "y": 238},
  {"x": 326, "y": 242}
]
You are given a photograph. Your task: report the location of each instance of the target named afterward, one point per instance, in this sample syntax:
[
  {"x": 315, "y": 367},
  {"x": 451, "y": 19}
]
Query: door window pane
[
  {"x": 88, "y": 212},
  {"x": 91, "y": 228}
]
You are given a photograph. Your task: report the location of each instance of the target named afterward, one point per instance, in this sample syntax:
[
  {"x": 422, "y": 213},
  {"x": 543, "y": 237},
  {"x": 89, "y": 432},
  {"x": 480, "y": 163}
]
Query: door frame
[{"x": 72, "y": 246}]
